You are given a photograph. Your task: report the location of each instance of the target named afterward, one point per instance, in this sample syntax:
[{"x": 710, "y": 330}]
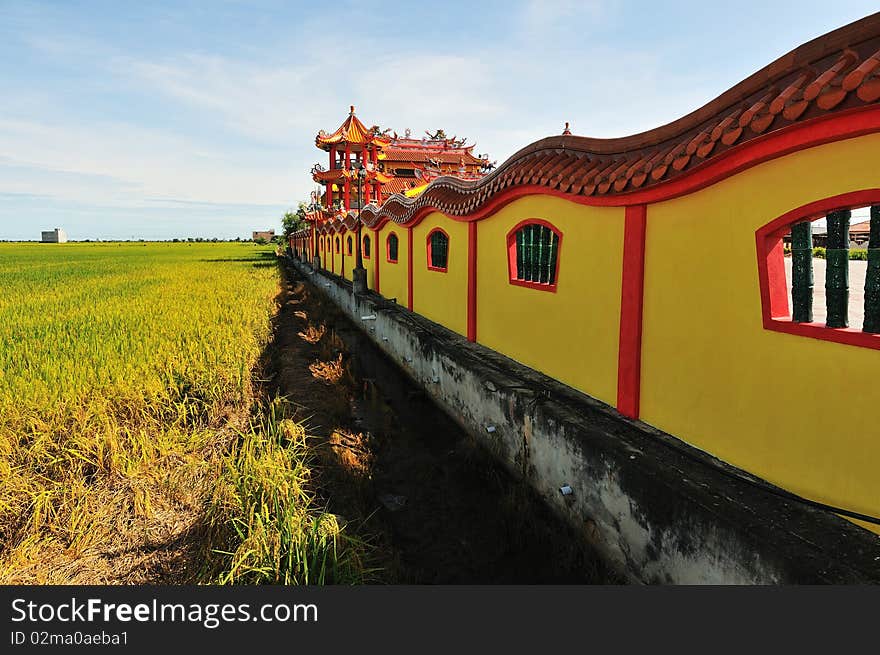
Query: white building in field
[{"x": 55, "y": 236}]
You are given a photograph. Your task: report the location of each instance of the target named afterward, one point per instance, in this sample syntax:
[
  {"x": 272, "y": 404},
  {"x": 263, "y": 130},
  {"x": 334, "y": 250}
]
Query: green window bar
[
  {"x": 872, "y": 278},
  {"x": 536, "y": 253},
  {"x": 551, "y": 266},
  {"x": 802, "y": 272},
  {"x": 837, "y": 269},
  {"x": 544, "y": 262}
]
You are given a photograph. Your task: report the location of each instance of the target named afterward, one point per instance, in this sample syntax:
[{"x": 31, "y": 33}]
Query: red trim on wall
[
  {"x": 472, "y": 283},
  {"x": 511, "y": 256},
  {"x": 409, "y": 268},
  {"x": 439, "y": 269},
  {"x": 376, "y": 265},
  {"x": 778, "y": 296},
  {"x": 775, "y": 314},
  {"x": 629, "y": 358}
]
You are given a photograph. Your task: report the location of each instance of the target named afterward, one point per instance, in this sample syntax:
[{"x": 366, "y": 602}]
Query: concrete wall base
[{"x": 655, "y": 508}]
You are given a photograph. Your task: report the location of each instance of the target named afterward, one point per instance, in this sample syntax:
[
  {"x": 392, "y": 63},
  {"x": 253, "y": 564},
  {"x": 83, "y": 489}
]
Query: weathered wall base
[{"x": 655, "y": 508}]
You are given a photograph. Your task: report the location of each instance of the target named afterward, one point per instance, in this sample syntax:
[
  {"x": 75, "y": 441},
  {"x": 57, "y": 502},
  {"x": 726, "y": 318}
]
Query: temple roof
[
  {"x": 340, "y": 174},
  {"x": 861, "y": 228},
  {"x": 351, "y": 131},
  {"x": 456, "y": 156},
  {"x": 400, "y": 185}
]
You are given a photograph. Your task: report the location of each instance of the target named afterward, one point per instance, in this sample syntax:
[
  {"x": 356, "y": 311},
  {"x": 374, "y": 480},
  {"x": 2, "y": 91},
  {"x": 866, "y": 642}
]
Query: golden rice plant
[{"x": 125, "y": 389}]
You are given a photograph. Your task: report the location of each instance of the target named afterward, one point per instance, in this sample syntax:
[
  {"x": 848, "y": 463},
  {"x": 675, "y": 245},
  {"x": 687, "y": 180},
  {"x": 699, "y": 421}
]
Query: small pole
[
  {"x": 359, "y": 274},
  {"x": 802, "y": 272},
  {"x": 837, "y": 269},
  {"x": 872, "y": 278}
]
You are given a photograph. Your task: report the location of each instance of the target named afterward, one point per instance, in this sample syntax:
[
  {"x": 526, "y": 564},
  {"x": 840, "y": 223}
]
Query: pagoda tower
[{"x": 349, "y": 147}]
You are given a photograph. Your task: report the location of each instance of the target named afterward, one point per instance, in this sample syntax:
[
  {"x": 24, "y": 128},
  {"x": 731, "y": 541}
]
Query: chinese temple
[{"x": 393, "y": 164}]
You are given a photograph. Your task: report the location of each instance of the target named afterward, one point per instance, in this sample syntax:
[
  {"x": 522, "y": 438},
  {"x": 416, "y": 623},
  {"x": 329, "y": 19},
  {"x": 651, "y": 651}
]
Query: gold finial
[
  {"x": 352, "y": 109},
  {"x": 566, "y": 131}
]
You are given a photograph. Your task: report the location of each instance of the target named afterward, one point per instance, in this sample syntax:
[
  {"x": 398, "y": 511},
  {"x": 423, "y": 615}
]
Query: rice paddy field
[{"x": 135, "y": 444}]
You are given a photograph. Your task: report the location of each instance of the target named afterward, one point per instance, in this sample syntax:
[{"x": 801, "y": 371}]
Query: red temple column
[
  {"x": 347, "y": 190},
  {"x": 367, "y": 186},
  {"x": 377, "y": 187}
]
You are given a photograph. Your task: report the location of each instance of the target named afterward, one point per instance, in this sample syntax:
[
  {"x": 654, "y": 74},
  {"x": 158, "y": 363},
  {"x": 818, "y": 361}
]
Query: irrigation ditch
[{"x": 434, "y": 505}]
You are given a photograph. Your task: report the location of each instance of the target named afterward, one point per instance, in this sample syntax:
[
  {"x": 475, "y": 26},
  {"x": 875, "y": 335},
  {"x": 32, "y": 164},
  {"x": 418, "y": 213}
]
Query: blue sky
[{"x": 176, "y": 119}]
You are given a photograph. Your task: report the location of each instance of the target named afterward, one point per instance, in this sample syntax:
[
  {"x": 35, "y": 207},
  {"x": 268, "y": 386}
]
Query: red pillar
[
  {"x": 632, "y": 292},
  {"x": 377, "y": 187},
  {"x": 347, "y": 190},
  {"x": 376, "y": 260},
  {"x": 368, "y": 190},
  {"x": 472, "y": 282},
  {"x": 409, "y": 268}
]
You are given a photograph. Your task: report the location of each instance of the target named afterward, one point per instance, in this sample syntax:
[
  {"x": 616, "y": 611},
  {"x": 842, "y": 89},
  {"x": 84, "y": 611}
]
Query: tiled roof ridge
[{"x": 832, "y": 73}]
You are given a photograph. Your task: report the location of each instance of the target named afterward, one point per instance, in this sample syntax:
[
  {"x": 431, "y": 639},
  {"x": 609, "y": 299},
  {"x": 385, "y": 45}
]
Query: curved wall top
[{"x": 832, "y": 76}]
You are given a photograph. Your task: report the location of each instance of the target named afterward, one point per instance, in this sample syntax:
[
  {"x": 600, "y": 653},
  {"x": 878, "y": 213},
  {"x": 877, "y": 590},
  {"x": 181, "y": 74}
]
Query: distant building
[
  {"x": 54, "y": 236},
  {"x": 268, "y": 235},
  {"x": 859, "y": 234}
]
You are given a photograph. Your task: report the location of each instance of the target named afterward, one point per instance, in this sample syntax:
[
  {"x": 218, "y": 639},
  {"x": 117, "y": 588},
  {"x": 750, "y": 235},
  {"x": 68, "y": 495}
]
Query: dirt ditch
[{"x": 438, "y": 509}]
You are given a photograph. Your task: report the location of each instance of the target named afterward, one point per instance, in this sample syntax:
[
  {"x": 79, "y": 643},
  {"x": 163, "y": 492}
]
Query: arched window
[
  {"x": 337, "y": 246},
  {"x": 392, "y": 244},
  {"x": 533, "y": 254},
  {"x": 366, "y": 249},
  {"x": 348, "y": 245},
  {"x": 826, "y": 239},
  {"x": 438, "y": 250}
]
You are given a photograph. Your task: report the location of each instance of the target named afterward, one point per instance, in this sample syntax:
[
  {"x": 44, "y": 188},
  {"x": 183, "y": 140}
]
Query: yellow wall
[
  {"x": 441, "y": 297},
  {"x": 793, "y": 410},
  {"x": 393, "y": 277},
  {"x": 572, "y": 334},
  {"x": 796, "y": 411}
]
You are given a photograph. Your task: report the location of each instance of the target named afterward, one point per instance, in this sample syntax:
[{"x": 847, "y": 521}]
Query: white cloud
[
  {"x": 122, "y": 162},
  {"x": 539, "y": 17},
  {"x": 266, "y": 103}
]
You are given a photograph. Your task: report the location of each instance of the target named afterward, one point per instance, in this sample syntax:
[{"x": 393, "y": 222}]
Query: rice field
[{"x": 133, "y": 447}]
